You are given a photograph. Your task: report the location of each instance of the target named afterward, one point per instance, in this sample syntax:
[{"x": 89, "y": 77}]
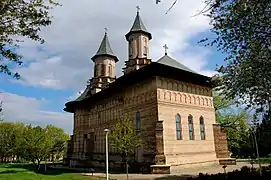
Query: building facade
[{"x": 170, "y": 105}]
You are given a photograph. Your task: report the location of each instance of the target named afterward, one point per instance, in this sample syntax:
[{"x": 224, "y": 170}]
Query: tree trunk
[
  {"x": 38, "y": 165},
  {"x": 127, "y": 168},
  {"x": 34, "y": 163},
  {"x": 53, "y": 159},
  {"x": 45, "y": 167}
]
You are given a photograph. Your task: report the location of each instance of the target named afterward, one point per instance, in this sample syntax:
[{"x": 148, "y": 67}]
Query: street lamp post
[{"x": 106, "y": 152}]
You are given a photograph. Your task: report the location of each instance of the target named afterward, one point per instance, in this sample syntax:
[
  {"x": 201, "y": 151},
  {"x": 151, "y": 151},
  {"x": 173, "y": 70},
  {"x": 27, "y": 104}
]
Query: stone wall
[
  {"x": 221, "y": 143},
  {"x": 158, "y": 100},
  {"x": 186, "y": 99},
  {"x": 90, "y": 122}
]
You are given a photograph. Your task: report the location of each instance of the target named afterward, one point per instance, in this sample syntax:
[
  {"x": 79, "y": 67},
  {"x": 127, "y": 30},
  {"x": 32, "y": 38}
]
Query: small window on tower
[
  {"x": 95, "y": 71},
  {"x": 130, "y": 49},
  {"x": 102, "y": 69},
  {"x": 145, "y": 51},
  {"x": 110, "y": 70}
]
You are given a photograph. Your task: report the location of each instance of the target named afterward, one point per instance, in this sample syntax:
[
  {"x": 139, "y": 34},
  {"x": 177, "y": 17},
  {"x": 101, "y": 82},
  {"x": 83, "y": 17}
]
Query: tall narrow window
[
  {"x": 145, "y": 51},
  {"x": 110, "y": 70},
  {"x": 95, "y": 71},
  {"x": 103, "y": 69},
  {"x": 178, "y": 127},
  {"x": 202, "y": 128},
  {"x": 145, "y": 48},
  {"x": 191, "y": 127},
  {"x": 130, "y": 49},
  {"x": 137, "y": 120}
]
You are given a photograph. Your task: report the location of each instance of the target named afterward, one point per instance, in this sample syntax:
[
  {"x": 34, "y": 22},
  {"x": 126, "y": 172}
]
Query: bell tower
[
  {"x": 138, "y": 46},
  {"x": 104, "y": 68}
]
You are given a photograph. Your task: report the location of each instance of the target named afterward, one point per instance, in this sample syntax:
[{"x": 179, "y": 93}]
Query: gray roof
[
  {"x": 138, "y": 26},
  {"x": 167, "y": 60},
  {"x": 105, "y": 48},
  {"x": 85, "y": 94}
]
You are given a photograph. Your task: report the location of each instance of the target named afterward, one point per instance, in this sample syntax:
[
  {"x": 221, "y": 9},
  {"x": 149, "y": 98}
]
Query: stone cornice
[
  {"x": 184, "y": 105},
  {"x": 176, "y": 98}
]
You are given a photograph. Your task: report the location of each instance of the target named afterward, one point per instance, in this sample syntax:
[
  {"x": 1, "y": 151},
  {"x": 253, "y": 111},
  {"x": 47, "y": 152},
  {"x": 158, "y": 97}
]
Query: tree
[
  {"x": 17, "y": 141},
  {"x": 7, "y": 137},
  {"x": 35, "y": 145},
  {"x": 263, "y": 134},
  {"x": 124, "y": 139},
  {"x": 58, "y": 139},
  {"x": 172, "y": 5},
  {"x": 39, "y": 144},
  {"x": 234, "y": 122},
  {"x": 242, "y": 31},
  {"x": 20, "y": 19},
  {"x": 29, "y": 143},
  {"x": 1, "y": 112}
]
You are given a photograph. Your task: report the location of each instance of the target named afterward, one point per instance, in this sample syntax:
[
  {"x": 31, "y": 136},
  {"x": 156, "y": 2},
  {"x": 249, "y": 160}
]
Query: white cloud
[
  {"x": 77, "y": 30},
  {"x": 29, "y": 110},
  {"x": 52, "y": 73}
]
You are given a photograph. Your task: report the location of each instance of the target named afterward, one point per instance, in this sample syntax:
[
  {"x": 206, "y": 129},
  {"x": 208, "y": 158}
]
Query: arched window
[
  {"x": 103, "y": 69},
  {"x": 110, "y": 70},
  {"x": 130, "y": 49},
  {"x": 137, "y": 120},
  {"x": 178, "y": 127},
  {"x": 145, "y": 51},
  {"x": 202, "y": 128},
  {"x": 95, "y": 71},
  {"x": 191, "y": 127}
]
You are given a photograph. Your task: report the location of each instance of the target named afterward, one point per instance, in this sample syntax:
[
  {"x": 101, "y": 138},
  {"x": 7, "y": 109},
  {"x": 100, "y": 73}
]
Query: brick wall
[
  {"x": 186, "y": 99},
  {"x": 221, "y": 143},
  {"x": 90, "y": 122}
]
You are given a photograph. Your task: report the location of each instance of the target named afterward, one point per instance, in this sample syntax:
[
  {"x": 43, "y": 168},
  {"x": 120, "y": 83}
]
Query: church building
[{"x": 170, "y": 105}]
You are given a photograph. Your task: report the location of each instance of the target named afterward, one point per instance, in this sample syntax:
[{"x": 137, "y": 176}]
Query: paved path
[{"x": 186, "y": 172}]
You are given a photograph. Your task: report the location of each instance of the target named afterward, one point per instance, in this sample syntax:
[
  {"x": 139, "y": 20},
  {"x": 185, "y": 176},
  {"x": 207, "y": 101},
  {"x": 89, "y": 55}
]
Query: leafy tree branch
[{"x": 20, "y": 19}]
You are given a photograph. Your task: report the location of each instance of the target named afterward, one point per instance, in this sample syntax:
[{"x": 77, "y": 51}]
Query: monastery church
[{"x": 170, "y": 105}]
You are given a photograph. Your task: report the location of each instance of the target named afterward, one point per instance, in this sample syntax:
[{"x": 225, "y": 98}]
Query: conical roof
[
  {"x": 138, "y": 26},
  {"x": 105, "y": 49}
]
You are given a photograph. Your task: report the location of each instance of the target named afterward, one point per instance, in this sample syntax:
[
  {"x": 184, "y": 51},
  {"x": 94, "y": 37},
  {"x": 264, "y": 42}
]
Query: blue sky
[{"x": 55, "y": 72}]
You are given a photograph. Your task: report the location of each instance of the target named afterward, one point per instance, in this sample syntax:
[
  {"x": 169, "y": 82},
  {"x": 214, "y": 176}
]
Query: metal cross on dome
[
  {"x": 138, "y": 9},
  {"x": 105, "y": 29},
  {"x": 166, "y": 48}
]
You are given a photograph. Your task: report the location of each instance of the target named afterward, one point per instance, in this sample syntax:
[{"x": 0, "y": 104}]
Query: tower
[
  {"x": 138, "y": 46},
  {"x": 104, "y": 68}
]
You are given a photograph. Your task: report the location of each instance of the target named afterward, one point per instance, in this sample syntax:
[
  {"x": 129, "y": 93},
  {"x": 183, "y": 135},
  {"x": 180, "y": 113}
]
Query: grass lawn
[{"x": 27, "y": 172}]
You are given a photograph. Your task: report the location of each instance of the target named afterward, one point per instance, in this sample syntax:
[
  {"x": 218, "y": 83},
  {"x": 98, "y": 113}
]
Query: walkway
[{"x": 186, "y": 172}]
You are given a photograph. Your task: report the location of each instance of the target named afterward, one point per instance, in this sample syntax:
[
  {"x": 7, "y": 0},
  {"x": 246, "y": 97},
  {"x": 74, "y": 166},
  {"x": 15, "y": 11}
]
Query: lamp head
[{"x": 106, "y": 130}]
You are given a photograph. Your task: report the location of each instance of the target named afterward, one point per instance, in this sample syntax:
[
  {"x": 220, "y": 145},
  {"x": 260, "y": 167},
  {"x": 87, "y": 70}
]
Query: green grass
[
  {"x": 262, "y": 160},
  {"x": 28, "y": 172}
]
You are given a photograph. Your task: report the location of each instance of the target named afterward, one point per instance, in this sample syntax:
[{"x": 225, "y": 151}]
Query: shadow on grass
[
  {"x": 31, "y": 167},
  {"x": 9, "y": 172}
]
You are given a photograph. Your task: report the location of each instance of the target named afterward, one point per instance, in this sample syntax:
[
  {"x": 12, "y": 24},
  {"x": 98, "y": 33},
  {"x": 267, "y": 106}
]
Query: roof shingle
[
  {"x": 105, "y": 49},
  {"x": 138, "y": 26},
  {"x": 167, "y": 60}
]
